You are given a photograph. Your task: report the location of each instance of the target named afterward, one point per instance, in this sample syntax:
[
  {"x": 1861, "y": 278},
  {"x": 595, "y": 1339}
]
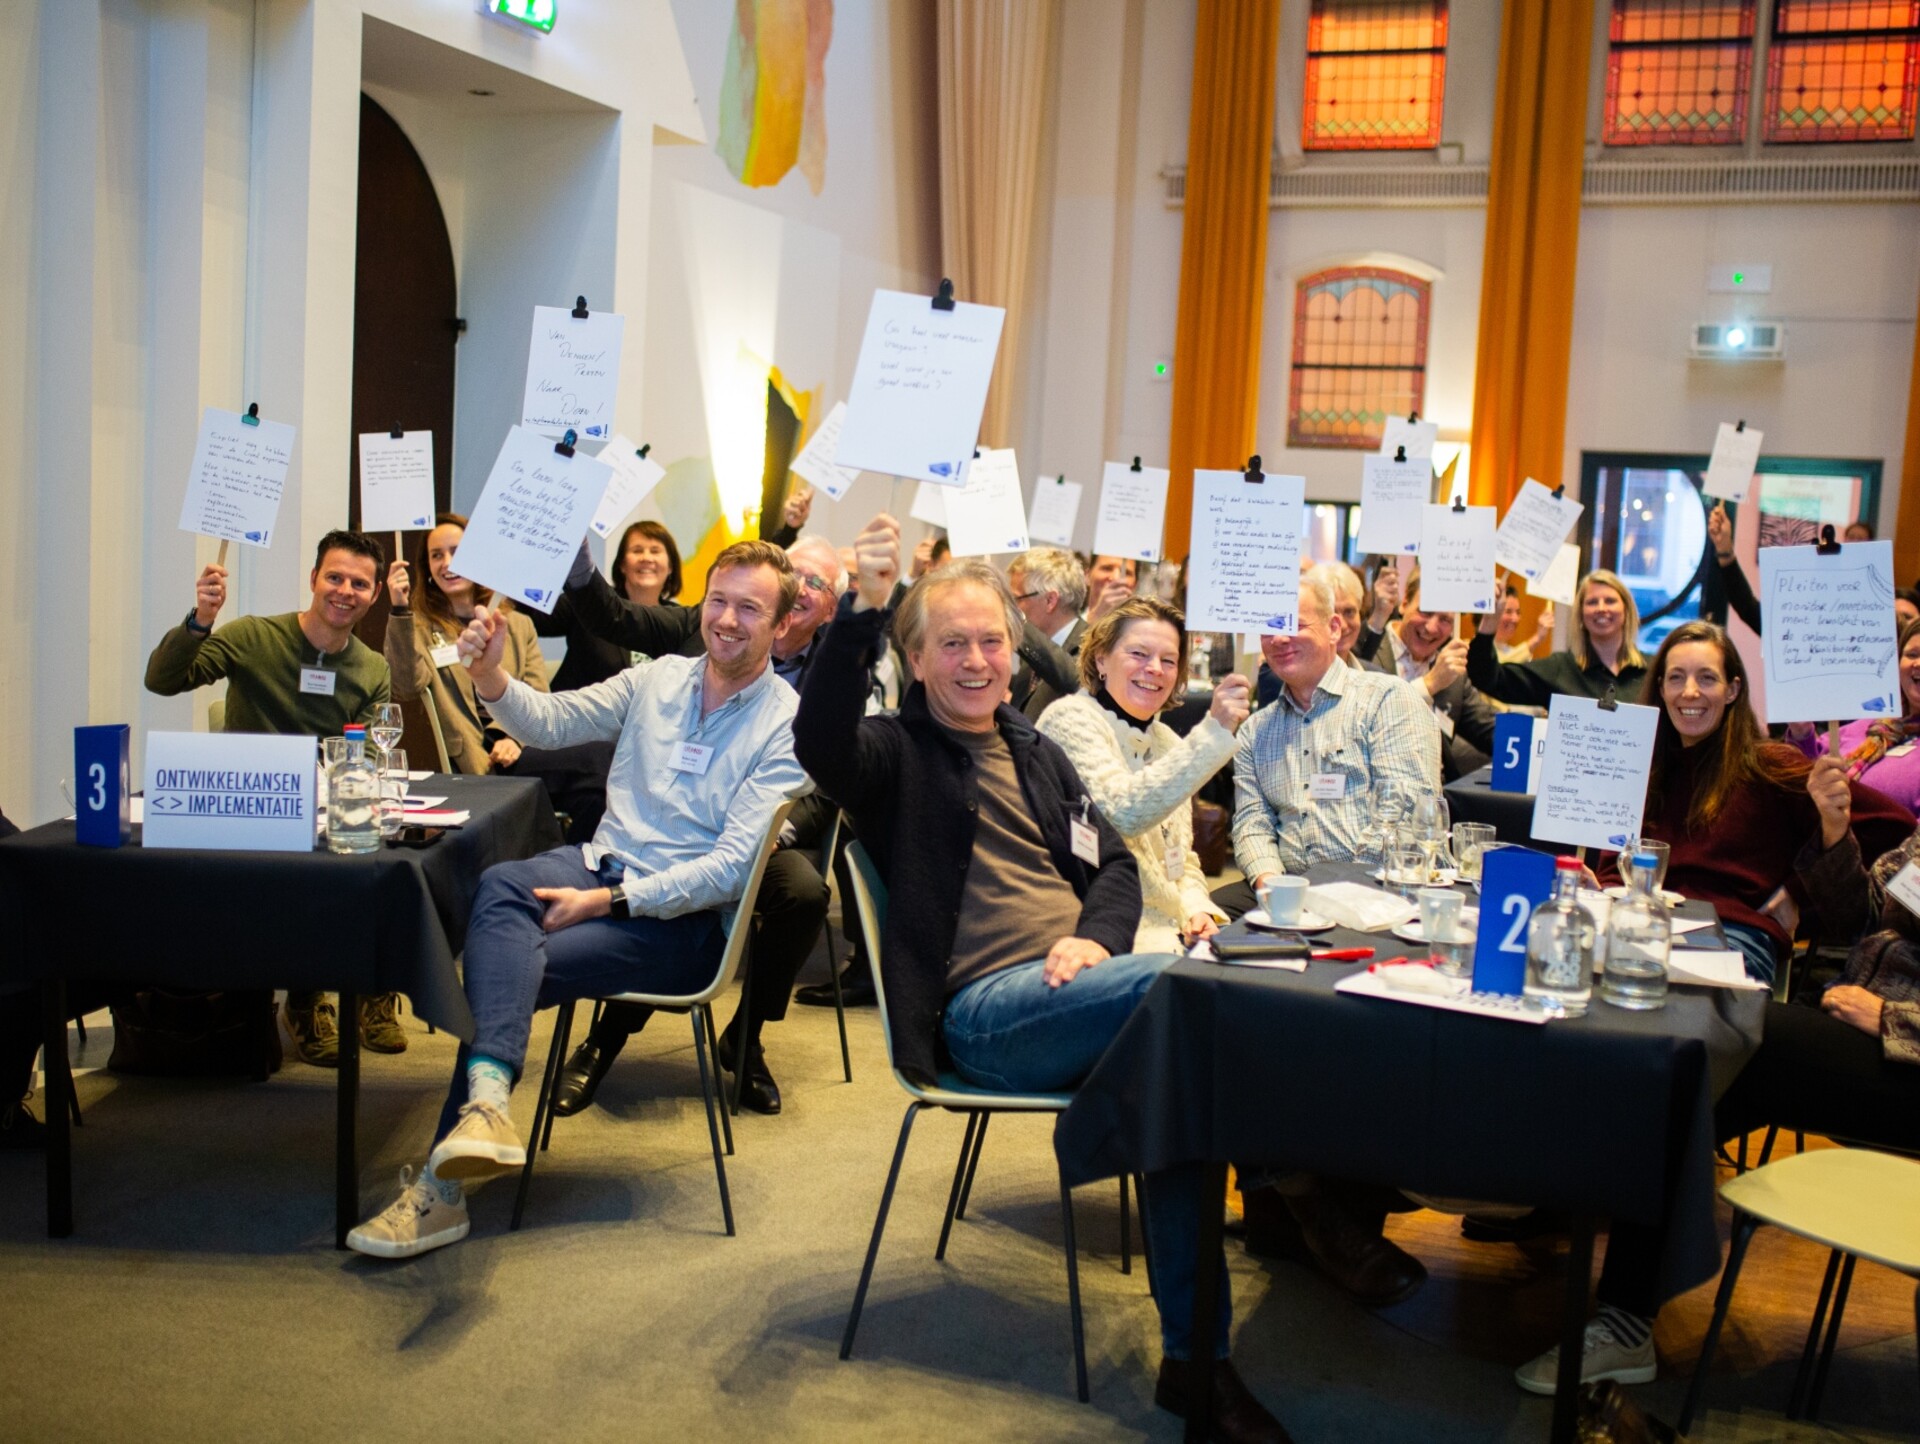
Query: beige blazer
[{"x": 409, "y": 652}]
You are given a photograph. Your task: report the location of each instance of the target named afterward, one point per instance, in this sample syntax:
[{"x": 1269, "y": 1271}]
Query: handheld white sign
[
  {"x": 1417, "y": 436},
  {"x": 633, "y": 476},
  {"x": 239, "y": 472},
  {"x": 1393, "y": 500},
  {"x": 1535, "y": 528},
  {"x": 816, "y": 463},
  {"x": 1593, "y": 778},
  {"x": 929, "y": 504},
  {"x": 245, "y": 791},
  {"x": 919, "y": 387},
  {"x": 1557, "y": 582},
  {"x": 1456, "y": 559},
  {"x": 1055, "y": 510},
  {"x": 1736, "y": 451},
  {"x": 531, "y": 518},
  {"x": 1829, "y": 648},
  {"x": 1132, "y": 516},
  {"x": 1244, "y": 568},
  {"x": 988, "y": 514},
  {"x": 396, "y": 481},
  {"x": 573, "y": 371}
]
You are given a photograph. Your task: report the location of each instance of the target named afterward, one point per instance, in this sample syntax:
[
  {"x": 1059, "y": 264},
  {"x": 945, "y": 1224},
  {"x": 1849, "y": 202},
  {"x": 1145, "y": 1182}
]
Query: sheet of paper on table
[
  {"x": 1456, "y": 998},
  {"x": 919, "y": 387},
  {"x": 396, "y": 481},
  {"x": 573, "y": 372},
  {"x": 1557, "y": 582},
  {"x": 419, "y": 776},
  {"x": 239, "y": 473},
  {"x": 1735, "y": 454},
  {"x": 421, "y": 804},
  {"x": 1712, "y": 968},
  {"x": 1534, "y": 529},
  {"x": 929, "y": 504},
  {"x": 632, "y": 477},
  {"x": 1055, "y": 510},
  {"x": 1244, "y": 559},
  {"x": 816, "y": 463},
  {"x": 1417, "y": 436},
  {"x": 1362, "y": 908},
  {"x": 531, "y": 518},
  {"x": 1593, "y": 779},
  {"x": 987, "y": 514},
  {"x": 1132, "y": 515},
  {"x": 435, "y": 818},
  {"x": 1456, "y": 559},
  {"x": 1829, "y": 649},
  {"x": 1393, "y": 501}
]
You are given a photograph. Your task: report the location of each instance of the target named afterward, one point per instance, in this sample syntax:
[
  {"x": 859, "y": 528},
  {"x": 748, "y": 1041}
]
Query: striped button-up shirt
[{"x": 1365, "y": 728}]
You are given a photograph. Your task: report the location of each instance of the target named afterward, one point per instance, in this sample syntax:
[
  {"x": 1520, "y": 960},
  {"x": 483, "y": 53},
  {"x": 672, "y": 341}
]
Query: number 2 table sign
[
  {"x": 101, "y": 813},
  {"x": 1513, "y": 882}
]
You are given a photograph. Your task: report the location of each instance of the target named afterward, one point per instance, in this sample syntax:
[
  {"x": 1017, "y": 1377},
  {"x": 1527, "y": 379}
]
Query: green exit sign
[{"x": 534, "y": 14}]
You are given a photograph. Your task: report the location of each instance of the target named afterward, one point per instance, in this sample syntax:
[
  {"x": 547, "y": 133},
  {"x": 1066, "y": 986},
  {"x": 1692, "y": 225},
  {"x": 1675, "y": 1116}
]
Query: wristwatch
[
  {"x": 617, "y": 905},
  {"x": 195, "y": 627}
]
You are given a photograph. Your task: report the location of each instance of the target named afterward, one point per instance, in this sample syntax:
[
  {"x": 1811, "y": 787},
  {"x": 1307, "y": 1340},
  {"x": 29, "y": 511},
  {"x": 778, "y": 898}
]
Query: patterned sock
[
  {"x": 1633, "y": 1330},
  {"x": 449, "y": 1189},
  {"x": 488, "y": 1081}
]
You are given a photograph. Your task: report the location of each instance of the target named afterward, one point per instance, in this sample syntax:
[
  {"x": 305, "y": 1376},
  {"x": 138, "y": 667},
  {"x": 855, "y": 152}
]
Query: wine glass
[
  {"x": 393, "y": 792},
  {"x": 387, "y": 728},
  {"x": 1431, "y": 823},
  {"x": 1391, "y": 805}
]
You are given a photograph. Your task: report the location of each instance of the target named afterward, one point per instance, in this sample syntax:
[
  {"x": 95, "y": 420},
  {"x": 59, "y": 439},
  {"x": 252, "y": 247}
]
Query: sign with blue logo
[
  {"x": 101, "y": 815},
  {"x": 1518, "y": 744},
  {"x": 1513, "y": 882}
]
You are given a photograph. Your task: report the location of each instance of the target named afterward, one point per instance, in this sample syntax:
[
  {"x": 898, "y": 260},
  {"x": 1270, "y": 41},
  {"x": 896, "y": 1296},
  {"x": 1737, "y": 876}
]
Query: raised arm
[
  {"x": 1256, "y": 826},
  {"x": 853, "y": 760},
  {"x": 659, "y": 631},
  {"x": 541, "y": 719},
  {"x": 1518, "y": 683},
  {"x": 1134, "y": 801}
]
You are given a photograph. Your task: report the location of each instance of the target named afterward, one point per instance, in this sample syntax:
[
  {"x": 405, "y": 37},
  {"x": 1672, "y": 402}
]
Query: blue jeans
[
  {"x": 1753, "y": 945},
  {"x": 1011, "y": 1031},
  {"x": 514, "y": 968}
]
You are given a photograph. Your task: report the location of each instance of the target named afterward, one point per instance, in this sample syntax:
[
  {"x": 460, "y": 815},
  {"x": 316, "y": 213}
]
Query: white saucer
[
  {"x": 1667, "y": 895},
  {"x": 1413, "y": 933},
  {"x": 1310, "y": 922}
]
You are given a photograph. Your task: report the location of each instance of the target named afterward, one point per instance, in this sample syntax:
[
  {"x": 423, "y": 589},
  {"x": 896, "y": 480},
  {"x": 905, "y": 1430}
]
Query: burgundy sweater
[{"x": 1765, "y": 838}]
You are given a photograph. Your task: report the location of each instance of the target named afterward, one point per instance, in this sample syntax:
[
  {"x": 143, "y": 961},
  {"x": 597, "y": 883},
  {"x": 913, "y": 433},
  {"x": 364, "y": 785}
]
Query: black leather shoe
[
  {"x": 580, "y": 1079},
  {"x": 853, "y": 994},
  {"x": 758, "y": 1093},
  {"x": 1238, "y": 1417},
  {"x": 1541, "y": 1223},
  {"x": 1368, "y": 1267}
]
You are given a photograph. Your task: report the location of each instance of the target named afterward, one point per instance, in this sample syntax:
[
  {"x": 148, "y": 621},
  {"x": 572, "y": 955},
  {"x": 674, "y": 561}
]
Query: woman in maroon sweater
[{"x": 1755, "y": 828}]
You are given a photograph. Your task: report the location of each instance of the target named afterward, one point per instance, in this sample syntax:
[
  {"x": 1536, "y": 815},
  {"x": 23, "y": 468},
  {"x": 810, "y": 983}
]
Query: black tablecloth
[
  {"x": 387, "y": 921},
  {"x": 1472, "y": 799},
  {"x": 1608, "y": 1114}
]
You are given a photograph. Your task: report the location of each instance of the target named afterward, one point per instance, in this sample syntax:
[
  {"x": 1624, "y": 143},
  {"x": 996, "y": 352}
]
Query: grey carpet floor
[{"x": 201, "y": 1297}]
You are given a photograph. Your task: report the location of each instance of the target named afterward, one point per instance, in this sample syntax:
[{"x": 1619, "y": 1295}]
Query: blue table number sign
[
  {"x": 101, "y": 817},
  {"x": 1513, "y": 882},
  {"x": 1512, "y": 751}
]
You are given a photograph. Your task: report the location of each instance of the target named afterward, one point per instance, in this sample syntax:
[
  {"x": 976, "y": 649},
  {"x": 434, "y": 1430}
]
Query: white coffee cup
[{"x": 1284, "y": 898}]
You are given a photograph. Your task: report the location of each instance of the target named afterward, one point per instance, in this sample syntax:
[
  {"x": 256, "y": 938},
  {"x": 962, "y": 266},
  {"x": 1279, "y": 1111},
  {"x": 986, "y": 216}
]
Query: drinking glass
[
  {"x": 1660, "y": 851},
  {"x": 1408, "y": 862},
  {"x": 1390, "y": 808},
  {"x": 387, "y": 726},
  {"x": 1470, "y": 839},
  {"x": 393, "y": 793}
]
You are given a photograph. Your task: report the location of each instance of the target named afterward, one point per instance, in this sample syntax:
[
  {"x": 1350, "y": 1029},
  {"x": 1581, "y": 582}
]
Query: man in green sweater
[{"x": 296, "y": 673}]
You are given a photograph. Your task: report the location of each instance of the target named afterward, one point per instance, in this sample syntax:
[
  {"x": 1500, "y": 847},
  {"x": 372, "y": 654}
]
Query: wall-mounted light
[{"x": 536, "y": 15}]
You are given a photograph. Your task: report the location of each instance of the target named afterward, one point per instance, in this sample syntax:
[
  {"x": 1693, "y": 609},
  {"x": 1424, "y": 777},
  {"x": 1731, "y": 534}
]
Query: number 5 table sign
[
  {"x": 1513, "y": 882},
  {"x": 101, "y": 814}
]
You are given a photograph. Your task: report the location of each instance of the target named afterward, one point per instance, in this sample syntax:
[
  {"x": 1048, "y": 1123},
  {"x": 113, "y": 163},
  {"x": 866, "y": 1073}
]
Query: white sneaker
[
  {"x": 481, "y": 1146},
  {"x": 1602, "y": 1356},
  {"x": 418, "y": 1220}
]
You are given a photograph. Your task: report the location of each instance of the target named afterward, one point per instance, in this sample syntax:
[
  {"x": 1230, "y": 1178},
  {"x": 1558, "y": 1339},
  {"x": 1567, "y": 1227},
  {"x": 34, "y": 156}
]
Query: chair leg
[
  {"x": 1744, "y": 1225},
  {"x": 1126, "y": 1231},
  {"x": 1833, "y": 1337},
  {"x": 80, "y": 1027},
  {"x": 1740, "y": 1162},
  {"x": 1766, "y": 1145},
  {"x": 973, "y": 1165},
  {"x": 1146, "y": 1249},
  {"x": 713, "y": 1047},
  {"x": 1073, "y": 1293},
  {"x": 953, "y": 1194},
  {"x": 543, "y": 1108},
  {"x": 744, "y": 1019},
  {"x": 879, "y": 1227},
  {"x": 713, "y": 1130},
  {"x": 1803, "y": 1376},
  {"x": 839, "y": 1003},
  {"x": 73, "y": 1094}
]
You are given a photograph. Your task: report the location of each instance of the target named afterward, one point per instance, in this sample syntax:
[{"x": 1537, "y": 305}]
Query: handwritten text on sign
[
  {"x": 573, "y": 370},
  {"x": 1535, "y": 527},
  {"x": 1456, "y": 559},
  {"x": 987, "y": 515},
  {"x": 239, "y": 472},
  {"x": 1593, "y": 780},
  {"x": 919, "y": 387},
  {"x": 1392, "y": 494},
  {"x": 1133, "y": 512},
  {"x": 1244, "y": 575},
  {"x": 531, "y": 518},
  {"x": 1829, "y": 643},
  {"x": 396, "y": 481}
]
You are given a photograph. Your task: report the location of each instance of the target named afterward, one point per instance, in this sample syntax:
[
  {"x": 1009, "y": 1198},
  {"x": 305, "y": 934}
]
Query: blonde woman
[
  {"x": 1140, "y": 774},
  {"x": 1605, "y": 652}
]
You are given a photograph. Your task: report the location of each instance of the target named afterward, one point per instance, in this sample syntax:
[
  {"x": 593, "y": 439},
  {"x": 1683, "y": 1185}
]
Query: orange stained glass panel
[
  {"x": 1678, "y": 72},
  {"x": 1359, "y": 355},
  {"x": 1376, "y": 74},
  {"x": 1843, "y": 70}
]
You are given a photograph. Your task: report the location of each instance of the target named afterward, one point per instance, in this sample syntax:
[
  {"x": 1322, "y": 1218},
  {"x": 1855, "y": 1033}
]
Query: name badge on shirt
[
  {"x": 1084, "y": 839},
  {"x": 446, "y": 654},
  {"x": 317, "y": 681},
  {"x": 1175, "y": 860},
  {"x": 692, "y": 757},
  {"x": 1444, "y": 721},
  {"x": 1906, "y": 887},
  {"x": 1327, "y": 786},
  {"x": 1902, "y": 750}
]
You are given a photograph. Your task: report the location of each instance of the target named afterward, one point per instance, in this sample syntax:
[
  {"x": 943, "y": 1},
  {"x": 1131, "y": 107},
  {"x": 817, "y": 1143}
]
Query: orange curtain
[
  {"x": 1533, "y": 236},
  {"x": 994, "y": 60},
  {"x": 1223, "y": 249},
  {"x": 1906, "y": 532}
]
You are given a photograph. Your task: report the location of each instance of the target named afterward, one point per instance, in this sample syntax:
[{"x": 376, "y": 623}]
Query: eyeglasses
[
  {"x": 814, "y": 583},
  {"x": 1025, "y": 596}
]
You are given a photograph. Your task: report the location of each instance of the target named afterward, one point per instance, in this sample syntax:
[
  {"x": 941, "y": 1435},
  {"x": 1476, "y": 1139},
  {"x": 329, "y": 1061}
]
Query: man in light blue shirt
[{"x": 703, "y": 758}]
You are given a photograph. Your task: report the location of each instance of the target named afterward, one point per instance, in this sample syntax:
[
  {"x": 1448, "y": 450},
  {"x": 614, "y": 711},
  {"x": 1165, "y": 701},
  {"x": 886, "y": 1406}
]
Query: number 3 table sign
[
  {"x": 100, "y": 785},
  {"x": 1513, "y": 882}
]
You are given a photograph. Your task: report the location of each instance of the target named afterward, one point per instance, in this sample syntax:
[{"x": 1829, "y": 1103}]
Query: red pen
[
  {"x": 1393, "y": 962},
  {"x": 1341, "y": 955}
]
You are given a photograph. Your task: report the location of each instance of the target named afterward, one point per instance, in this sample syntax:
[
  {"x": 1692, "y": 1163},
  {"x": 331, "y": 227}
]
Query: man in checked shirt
[{"x": 1306, "y": 773}]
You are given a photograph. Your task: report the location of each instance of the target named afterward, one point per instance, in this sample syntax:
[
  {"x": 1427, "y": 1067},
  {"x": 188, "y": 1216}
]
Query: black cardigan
[
  {"x": 913, "y": 796},
  {"x": 1536, "y": 682}
]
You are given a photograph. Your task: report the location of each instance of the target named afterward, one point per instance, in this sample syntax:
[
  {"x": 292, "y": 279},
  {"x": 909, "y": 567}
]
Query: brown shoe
[
  {"x": 380, "y": 1028},
  {"x": 1238, "y": 1417},
  {"x": 1369, "y": 1268}
]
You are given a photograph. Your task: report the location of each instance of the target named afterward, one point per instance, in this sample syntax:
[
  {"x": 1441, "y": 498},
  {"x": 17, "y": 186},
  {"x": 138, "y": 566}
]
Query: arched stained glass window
[
  {"x": 1678, "y": 72},
  {"x": 1376, "y": 74},
  {"x": 1359, "y": 355},
  {"x": 1843, "y": 70}
]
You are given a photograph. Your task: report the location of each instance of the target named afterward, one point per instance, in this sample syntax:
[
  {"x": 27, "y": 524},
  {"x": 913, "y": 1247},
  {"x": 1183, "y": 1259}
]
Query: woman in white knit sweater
[{"x": 1139, "y": 772}]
